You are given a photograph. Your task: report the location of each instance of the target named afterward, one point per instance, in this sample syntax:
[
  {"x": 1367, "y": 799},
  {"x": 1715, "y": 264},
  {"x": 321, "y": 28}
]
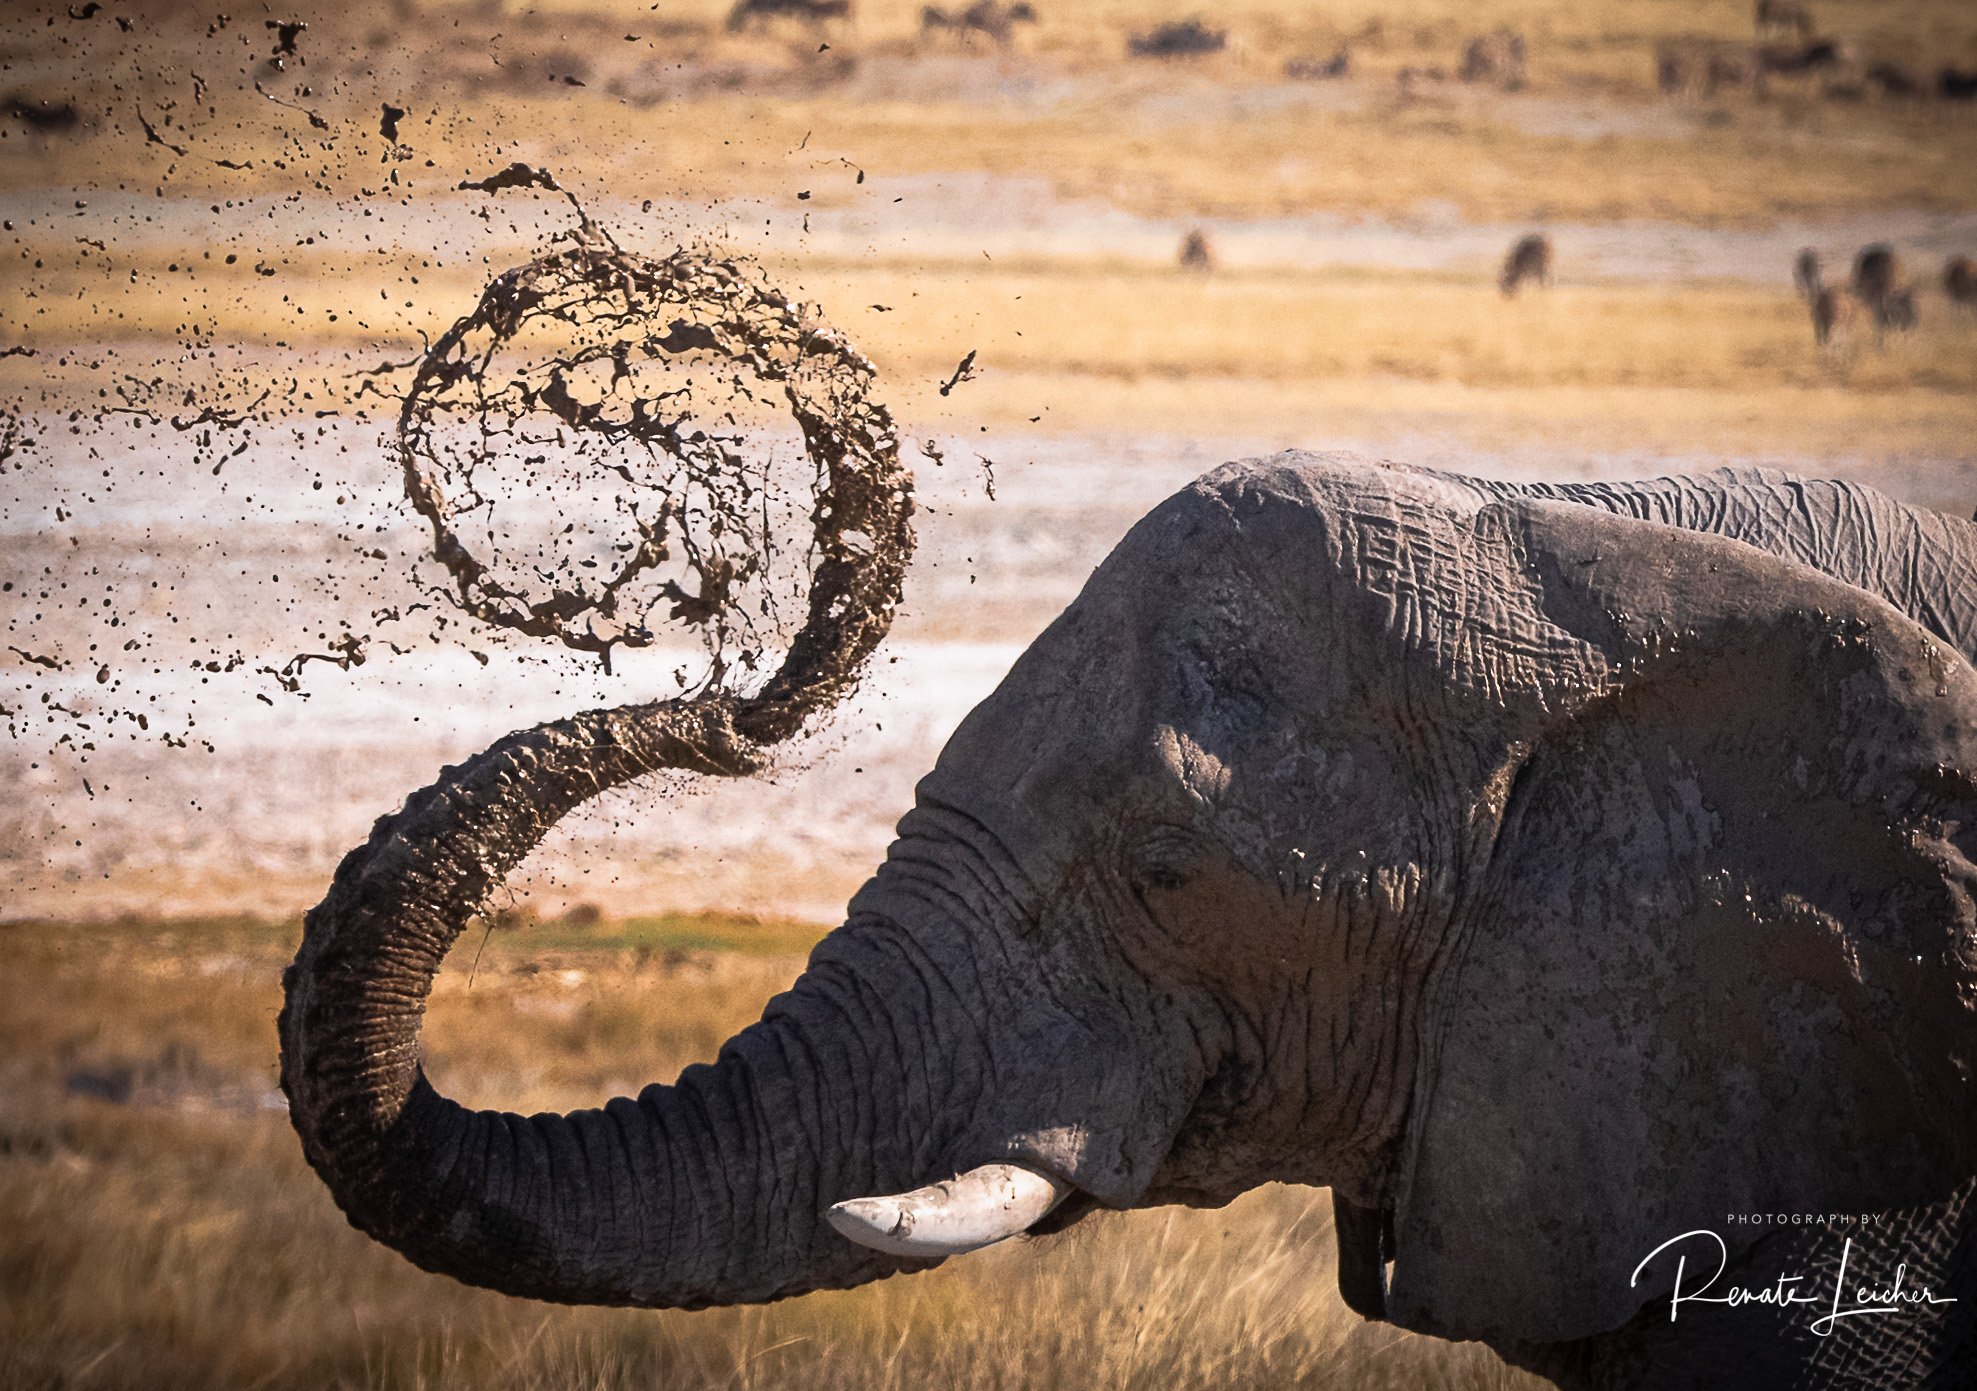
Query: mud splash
[
  {"x": 592, "y": 355},
  {"x": 601, "y": 376}
]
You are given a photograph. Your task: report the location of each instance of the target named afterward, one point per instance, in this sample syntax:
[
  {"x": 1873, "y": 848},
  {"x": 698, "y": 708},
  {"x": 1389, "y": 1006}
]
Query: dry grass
[{"x": 161, "y": 1229}]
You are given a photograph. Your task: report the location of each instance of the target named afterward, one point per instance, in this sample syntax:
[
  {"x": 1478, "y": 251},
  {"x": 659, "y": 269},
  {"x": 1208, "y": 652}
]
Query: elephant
[{"x": 1579, "y": 879}]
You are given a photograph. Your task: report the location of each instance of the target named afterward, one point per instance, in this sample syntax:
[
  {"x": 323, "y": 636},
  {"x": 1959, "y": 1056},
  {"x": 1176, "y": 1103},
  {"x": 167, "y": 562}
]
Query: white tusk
[{"x": 976, "y": 1209}]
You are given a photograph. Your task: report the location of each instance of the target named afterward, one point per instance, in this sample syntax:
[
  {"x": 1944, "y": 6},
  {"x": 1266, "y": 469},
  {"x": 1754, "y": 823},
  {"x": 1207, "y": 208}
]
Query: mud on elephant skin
[{"x": 1550, "y": 870}]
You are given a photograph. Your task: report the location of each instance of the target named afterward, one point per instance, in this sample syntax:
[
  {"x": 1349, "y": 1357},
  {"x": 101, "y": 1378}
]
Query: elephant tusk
[{"x": 965, "y": 1213}]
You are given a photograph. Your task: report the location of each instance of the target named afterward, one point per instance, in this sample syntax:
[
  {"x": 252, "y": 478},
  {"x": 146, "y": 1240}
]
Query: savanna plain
[{"x": 187, "y": 204}]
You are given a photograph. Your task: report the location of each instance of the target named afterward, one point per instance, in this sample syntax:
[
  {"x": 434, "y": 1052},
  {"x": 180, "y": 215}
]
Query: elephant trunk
[{"x": 710, "y": 1191}]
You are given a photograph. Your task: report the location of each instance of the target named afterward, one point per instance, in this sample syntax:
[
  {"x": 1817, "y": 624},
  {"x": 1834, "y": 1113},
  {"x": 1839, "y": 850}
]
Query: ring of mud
[{"x": 613, "y": 312}]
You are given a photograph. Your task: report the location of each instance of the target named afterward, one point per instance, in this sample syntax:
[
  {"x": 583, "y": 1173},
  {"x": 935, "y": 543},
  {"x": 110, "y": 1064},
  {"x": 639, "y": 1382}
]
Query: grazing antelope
[
  {"x": 1875, "y": 272},
  {"x": 1816, "y": 55},
  {"x": 1877, "y": 283},
  {"x": 1313, "y": 69},
  {"x": 1674, "y": 69},
  {"x": 1832, "y": 306},
  {"x": 1529, "y": 259},
  {"x": 1894, "y": 80},
  {"x": 43, "y": 117},
  {"x": 1185, "y": 39},
  {"x": 1738, "y": 66}
]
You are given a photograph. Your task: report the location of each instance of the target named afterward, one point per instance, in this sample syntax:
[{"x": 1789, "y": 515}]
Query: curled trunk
[{"x": 706, "y": 1192}]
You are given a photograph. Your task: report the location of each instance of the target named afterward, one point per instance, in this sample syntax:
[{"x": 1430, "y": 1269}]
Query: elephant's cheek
[{"x": 1090, "y": 1102}]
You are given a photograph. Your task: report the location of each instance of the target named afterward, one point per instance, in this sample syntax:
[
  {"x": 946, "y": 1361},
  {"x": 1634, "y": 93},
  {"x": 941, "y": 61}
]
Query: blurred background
[{"x": 1520, "y": 238}]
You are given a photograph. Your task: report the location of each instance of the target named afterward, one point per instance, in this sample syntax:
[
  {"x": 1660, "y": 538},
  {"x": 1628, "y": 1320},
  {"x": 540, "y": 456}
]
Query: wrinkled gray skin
[{"x": 1550, "y": 870}]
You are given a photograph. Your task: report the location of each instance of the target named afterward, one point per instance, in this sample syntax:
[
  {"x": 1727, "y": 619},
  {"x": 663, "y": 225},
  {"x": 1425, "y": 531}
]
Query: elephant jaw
[{"x": 987, "y": 1204}]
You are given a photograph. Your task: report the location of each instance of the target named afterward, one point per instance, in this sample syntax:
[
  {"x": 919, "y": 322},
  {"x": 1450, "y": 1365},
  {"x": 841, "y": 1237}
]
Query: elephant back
[{"x": 1922, "y": 562}]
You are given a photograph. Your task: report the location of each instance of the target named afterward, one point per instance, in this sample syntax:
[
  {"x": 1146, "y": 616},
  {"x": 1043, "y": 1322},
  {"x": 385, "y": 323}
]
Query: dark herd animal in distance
[
  {"x": 749, "y": 13},
  {"x": 1529, "y": 262},
  {"x": 1185, "y": 39},
  {"x": 1788, "y": 45},
  {"x": 992, "y": 20},
  {"x": 1877, "y": 286}
]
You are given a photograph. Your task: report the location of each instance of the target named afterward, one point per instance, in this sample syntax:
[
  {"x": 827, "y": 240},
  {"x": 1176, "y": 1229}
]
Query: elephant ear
[{"x": 1722, "y": 963}]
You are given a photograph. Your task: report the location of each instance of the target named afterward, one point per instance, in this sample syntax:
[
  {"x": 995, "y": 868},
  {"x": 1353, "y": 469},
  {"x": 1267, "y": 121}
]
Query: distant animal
[
  {"x": 1831, "y": 306},
  {"x": 748, "y": 13},
  {"x": 1782, "y": 17},
  {"x": 1833, "y": 310},
  {"x": 1309, "y": 69},
  {"x": 1896, "y": 311},
  {"x": 1960, "y": 280},
  {"x": 994, "y": 21},
  {"x": 1876, "y": 272},
  {"x": 1529, "y": 260},
  {"x": 1497, "y": 58},
  {"x": 1674, "y": 69},
  {"x": 1894, "y": 80},
  {"x": 1183, "y": 40},
  {"x": 1196, "y": 254},
  {"x": 43, "y": 117},
  {"x": 1954, "y": 85},
  {"x": 1877, "y": 284}
]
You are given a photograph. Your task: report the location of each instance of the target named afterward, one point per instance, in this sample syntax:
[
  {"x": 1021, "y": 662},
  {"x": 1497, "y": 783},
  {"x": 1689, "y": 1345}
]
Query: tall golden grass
[{"x": 161, "y": 1230}]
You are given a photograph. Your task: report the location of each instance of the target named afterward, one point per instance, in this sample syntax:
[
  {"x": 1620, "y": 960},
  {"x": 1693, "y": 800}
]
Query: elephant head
[{"x": 1545, "y": 870}]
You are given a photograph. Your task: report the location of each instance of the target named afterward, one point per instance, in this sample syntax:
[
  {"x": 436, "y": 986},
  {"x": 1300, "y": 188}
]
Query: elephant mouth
[{"x": 1076, "y": 1206}]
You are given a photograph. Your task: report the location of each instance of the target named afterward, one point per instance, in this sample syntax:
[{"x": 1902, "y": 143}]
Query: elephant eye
[{"x": 1165, "y": 858}]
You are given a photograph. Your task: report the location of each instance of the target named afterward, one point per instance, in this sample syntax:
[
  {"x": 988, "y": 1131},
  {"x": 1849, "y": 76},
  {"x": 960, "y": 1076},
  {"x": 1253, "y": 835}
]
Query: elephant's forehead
[{"x": 1271, "y": 609}]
